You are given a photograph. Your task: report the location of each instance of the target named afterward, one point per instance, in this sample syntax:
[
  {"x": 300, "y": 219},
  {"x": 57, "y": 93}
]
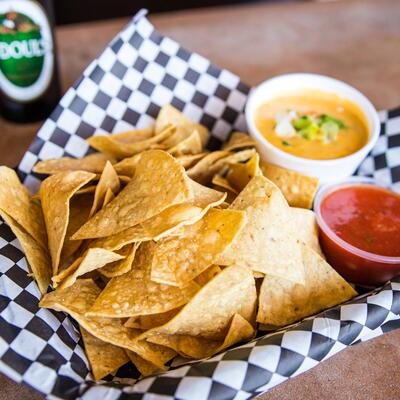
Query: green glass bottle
[{"x": 29, "y": 84}]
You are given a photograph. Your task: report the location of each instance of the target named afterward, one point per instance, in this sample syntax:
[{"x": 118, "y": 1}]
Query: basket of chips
[{"x": 154, "y": 253}]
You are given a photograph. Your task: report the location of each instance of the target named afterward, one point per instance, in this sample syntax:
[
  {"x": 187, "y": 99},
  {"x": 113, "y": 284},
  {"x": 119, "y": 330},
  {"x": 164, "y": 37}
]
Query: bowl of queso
[
  {"x": 313, "y": 124},
  {"x": 359, "y": 226}
]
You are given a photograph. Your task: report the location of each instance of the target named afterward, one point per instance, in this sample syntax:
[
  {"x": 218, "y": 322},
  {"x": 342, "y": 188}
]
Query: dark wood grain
[{"x": 356, "y": 41}]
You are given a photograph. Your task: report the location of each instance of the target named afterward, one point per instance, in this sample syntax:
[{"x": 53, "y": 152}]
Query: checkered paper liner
[{"x": 125, "y": 87}]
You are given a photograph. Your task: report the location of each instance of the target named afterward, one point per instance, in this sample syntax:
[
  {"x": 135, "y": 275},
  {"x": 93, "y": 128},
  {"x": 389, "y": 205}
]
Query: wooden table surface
[{"x": 356, "y": 41}]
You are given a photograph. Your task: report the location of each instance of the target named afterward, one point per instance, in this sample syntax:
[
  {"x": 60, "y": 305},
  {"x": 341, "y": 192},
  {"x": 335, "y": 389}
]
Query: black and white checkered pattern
[
  {"x": 125, "y": 87},
  {"x": 383, "y": 163}
]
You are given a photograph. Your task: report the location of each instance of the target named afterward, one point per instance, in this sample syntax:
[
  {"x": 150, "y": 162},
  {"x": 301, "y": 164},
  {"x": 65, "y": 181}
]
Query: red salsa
[{"x": 365, "y": 216}]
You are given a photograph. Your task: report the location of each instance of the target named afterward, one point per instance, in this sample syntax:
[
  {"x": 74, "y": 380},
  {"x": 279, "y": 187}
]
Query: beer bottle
[{"x": 29, "y": 85}]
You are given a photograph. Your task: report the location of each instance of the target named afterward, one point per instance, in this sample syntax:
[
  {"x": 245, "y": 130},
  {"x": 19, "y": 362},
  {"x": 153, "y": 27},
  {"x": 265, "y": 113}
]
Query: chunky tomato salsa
[{"x": 366, "y": 217}]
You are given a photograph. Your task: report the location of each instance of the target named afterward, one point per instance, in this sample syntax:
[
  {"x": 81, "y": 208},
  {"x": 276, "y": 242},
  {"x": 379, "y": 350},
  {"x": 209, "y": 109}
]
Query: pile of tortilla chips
[{"x": 158, "y": 248}]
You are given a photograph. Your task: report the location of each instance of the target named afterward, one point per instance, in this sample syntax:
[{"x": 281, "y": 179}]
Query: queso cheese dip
[{"x": 313, "y": 124}]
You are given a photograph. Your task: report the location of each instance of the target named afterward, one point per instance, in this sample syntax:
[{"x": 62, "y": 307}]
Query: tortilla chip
[
  {"x": 205, "y": 169},
  {"x": 169, "y": 115},
  {"x": 92, "y": 259},
  {"x": 196, "y": 347},
  {"x": 159, "y": 183},
  {"x": 191, "y": 145},
  {"x": 104, "y": 358},
  {"x": 239, "y": 140},
  {"x": 37, "y": 257},
  {"x": 283, "y": 302},
  {"x": 126, "y": 167},
  {"x": 57, "y": 279},
  {"x": 209, "y": 312},
  {"x": 298, "y": 189},
  {"x": 219, "y": 181},
  {"x": 306, "y": 228},
  {"x": 113, "y": 146},
  {"x": 187, "y": 213},
  {"x": 16, "y": 202},
  {"x": 266, "y": 243},
  {"x": 207, "y": 275},
  {"x": 108, "y": 197},
  {"x": 119, "y": 240},
  {"x": 108, "y": 180},
  {"x": 178, "y": 260},
  {"x": 145, "y": 367},
  {"x": 240, "y": 174},
  {"x": 150, "y": 321},
  {"x": 92, "y": 163},
  {"x": 76, "y": 300},
  {"x": 239, "y": 330},
  {"x": 85, "y": 190},
  {"x": 188, "y": 160},
  {"x": 134, "y": 136},
  {"x": 129, "y": 295},
  {"x": 241, "y": 156},
  {"x": 78, "y": 214},
  {"x": 123, "y": 266},
  {"x": 55, "y": 194},
  {"x": 187, "y": 346}
]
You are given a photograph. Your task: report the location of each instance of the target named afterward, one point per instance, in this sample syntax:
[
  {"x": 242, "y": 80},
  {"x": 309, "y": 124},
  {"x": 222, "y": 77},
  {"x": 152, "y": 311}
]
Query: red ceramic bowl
[{"x": 355, "y": 265}]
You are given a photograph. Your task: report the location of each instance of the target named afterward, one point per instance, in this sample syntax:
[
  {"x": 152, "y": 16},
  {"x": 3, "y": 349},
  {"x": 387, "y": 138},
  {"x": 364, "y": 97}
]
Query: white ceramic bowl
[{"x": 325, "y": 170}]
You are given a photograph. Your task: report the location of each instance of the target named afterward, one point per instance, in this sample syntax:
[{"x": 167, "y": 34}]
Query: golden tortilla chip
[
  {"x": 92, "y": 163},
  {"x": 205, "y": 169},
  {"x": 93, "y": 259},
  {"x": 113, "y": 146},
  {"x": 219, "y": 181},
  {"x": 221, "y": 166},
  {"x": 85, "y": 190},
  {"x": 283, "y": 302},
  {"x": 239, "y": 140},
  {"x": 240, "y": 174},
  {"x": 127, "y": 295},
  {"x": 266, "y": 243},
  {"x": 55, "y": 194},
  {"x": 127, "y": 166},
  {"x": 123, "y": 266},
  {"x": 104, "y": 358},
  {"x": 134, "y": 136},
  {"x": 196, "y": 347},
  {"x": 145, "y": 367},
  {"x": 187, "y": 213},
  {"x": 298, "y": 189},
  {"x": 37, "y": 257},
  {"x": 77, "y": 299},
  {"x": 187, "y": 346},
  {"x": 119, "y": 240},
  {"x": 188, "y": 160},
  {"x": 16, "y": 202},
  {"x": 239, "y": 330},
  {"x": 159, "y": 183},
  {"x": 108, "y": 197},
  {"x": 207, "y": 275},
  {"x": 178, "y": 260},
  {"x": 210, "y": 311},
  {"x": 108, "y": 180},
  {"x": 169, "y": 115},
  {"x": 306, "y": 228},
  {"x": 191, "y": 145},
  {"x": 79, "y": 209},
  {"x": 150, "y": 321}
]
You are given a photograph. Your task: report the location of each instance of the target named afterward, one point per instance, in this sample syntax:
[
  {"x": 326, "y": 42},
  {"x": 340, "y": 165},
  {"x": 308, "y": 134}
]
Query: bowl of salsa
[
  {"x": 313, "y": 124},
  {"x": 359, "y": 226}
]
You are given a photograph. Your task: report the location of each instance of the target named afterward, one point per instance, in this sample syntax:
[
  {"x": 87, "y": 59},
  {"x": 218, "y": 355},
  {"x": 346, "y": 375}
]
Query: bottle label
[{"x": 26, "y": 50}]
